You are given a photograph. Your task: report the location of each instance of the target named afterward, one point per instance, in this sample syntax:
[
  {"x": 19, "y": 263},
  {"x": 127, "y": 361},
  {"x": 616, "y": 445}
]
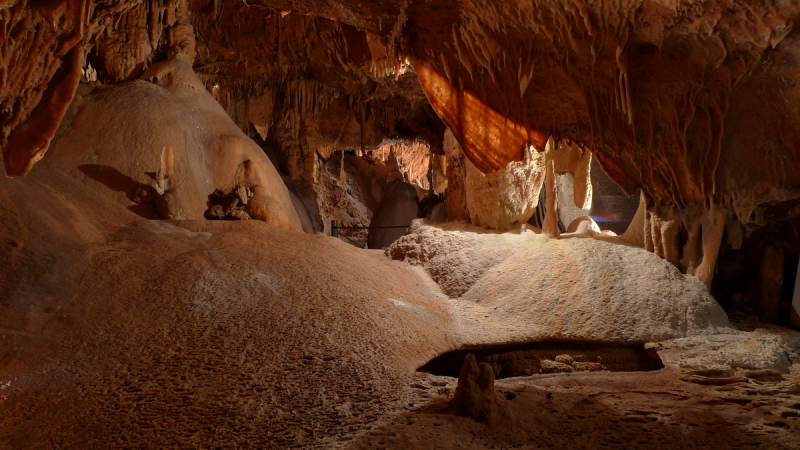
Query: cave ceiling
[{"x": 693, "y": 102}]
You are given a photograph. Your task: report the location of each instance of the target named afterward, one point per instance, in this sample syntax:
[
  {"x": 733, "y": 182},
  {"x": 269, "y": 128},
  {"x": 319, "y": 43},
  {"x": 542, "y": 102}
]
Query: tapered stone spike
[{"x": 475, "y": 396}]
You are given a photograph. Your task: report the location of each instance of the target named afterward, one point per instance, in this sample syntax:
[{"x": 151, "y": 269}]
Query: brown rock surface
[
  {"x": 456, "y": 178},
  {"x": 770, "y": 282},
  {"x": 525, "y": 287},
  {"x": 207, "y": 151},
  {"x": 475, "y": 396},
  {"x": 668, "y": 96},
  {"x": 658, "y": 409},
  {"x": 507, "y": 197},
  {"x": 397, "y": 210},
  {"x": 117, "y": 331}
]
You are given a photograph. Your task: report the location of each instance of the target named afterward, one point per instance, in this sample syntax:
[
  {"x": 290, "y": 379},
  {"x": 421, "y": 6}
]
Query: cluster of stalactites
[
  {"x": 132, "y": 41},
  {"x": 647, "y": 87},
  {"x": 43, "y": 56},
  {"x": 253, "y": 101},
  {"x": 412, "y": 159}
]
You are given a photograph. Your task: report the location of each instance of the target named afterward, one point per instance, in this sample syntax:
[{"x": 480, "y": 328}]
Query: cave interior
[{"x": 397, "y": 224}]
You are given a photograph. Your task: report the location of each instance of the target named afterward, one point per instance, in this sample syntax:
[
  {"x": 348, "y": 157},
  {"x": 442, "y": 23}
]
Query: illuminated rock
[
  {"x": 567, "y": 289},
  {"x": 171, "y": 137}
]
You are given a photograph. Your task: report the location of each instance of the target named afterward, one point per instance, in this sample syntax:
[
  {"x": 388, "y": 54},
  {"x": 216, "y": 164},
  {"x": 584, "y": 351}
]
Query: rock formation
[
  {"x": 599, "y": 171},
  {"x": 456, "y": 178},
  {"x": 587, "y": 290},
  {"x": 475, "y": 396},
  {"x": 172, "y": 147},
  {"x": 507, "y": 197},
  {"x": 397, "y": 210},
  {"x": 661, "y": 94}
]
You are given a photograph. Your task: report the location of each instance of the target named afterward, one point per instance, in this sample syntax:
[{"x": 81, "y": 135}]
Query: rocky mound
[
  {"x": 526, "y": 287},
  {"x": 121, "y": 332},
  {"x": 162, "y": 147}
]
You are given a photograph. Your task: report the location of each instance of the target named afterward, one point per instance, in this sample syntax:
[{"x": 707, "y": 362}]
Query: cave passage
[{"x": 548, "y": 357}]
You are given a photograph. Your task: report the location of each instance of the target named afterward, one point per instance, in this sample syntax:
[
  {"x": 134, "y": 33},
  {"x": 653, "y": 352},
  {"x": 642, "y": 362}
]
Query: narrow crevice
[{"x": 549, "y": 357}]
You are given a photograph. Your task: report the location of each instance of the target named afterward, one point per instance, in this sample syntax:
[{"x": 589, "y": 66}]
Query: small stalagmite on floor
[{"x": 475, "y": 396}]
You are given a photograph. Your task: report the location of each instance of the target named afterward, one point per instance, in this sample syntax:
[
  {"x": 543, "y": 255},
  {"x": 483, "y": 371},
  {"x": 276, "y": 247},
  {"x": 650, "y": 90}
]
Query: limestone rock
[
  {"x": 583, "y": 225},
  {"x": 439, "y": 213},
  {"x": 515, "y": 189},
  {"x": 475, "y": 395},
  {"x": 551, "y": 226},
  {"x": 568, "y": 289},
  {"x": 350, "y": 190},
  {"x": 456, "y": 177},
  {"x": 567, "y": 190},
  {"x": 169, "y": 135}
]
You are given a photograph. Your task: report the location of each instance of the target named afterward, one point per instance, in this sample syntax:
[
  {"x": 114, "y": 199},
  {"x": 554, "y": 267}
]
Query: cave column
[
  {"x": 700, "y": 228},
  {"x": 713, "y": 226},
  {"x": 550, "y": 225},
  {"x": 456, "y": 175}
]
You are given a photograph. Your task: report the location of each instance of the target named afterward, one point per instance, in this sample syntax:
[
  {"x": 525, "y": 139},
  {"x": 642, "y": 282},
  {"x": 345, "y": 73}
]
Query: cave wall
[
  {"x": 693, "y": 103},
  {"x": 647, "y": 85},
  {"x": 45, "y": 48}
]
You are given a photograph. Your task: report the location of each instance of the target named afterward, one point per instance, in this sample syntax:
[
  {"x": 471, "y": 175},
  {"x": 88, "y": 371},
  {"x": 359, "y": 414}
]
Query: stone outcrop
[
  {"x": 396, "y": 212},
  {"x": 166, "y": 147},
  {"x": 507, "y": 197},
  {"x": 475, "y": 395},
  {"x": 567, "y": 289},
  {"x": 501, "y": 199}
]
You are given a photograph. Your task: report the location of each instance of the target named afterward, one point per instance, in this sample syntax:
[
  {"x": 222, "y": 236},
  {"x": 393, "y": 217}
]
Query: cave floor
[
  {"x": 119, "y": 332},
  {"x": 602, "y": 410}
]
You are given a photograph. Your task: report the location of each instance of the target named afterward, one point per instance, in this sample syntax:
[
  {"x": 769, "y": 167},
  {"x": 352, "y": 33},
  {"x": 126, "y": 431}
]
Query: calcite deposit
[
  {"x": 205, "y": 240},
  {"x": 563, "y": 290},
  {"x": 173, "y": 148}
]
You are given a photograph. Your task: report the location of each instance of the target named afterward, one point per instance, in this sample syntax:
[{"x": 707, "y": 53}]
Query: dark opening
[
  {"x": 549, "y": 357},
  {"x": 612, "y": 209}
]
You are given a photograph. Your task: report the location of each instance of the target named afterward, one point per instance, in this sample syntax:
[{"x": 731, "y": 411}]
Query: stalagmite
[
  {"x": 551, "y": 227},
  {"x": 713, "y": 228},
  {"x": 665, "y": 231},
  {"x": 475, "y": 395},
  {"x": 456, "y": 178},
  {"x": 582, "y": 189},
  {"x": 635, "y": 234}
]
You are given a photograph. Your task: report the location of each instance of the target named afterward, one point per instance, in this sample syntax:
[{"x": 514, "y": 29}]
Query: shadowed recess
[{"x": 549, "y": 357}]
